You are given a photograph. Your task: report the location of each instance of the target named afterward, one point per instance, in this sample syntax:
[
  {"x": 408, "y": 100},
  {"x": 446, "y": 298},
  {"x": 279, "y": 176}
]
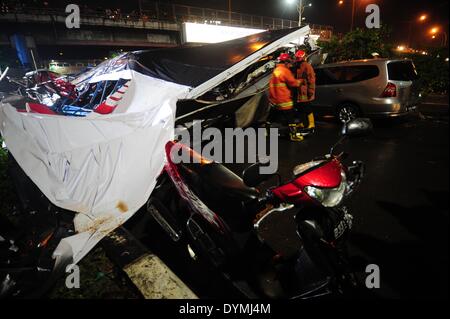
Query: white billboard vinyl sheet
[
  {"x": 210, "y": 33},
  {"x": 103, "y": 167},
  {"x": 98, "y": 150}
]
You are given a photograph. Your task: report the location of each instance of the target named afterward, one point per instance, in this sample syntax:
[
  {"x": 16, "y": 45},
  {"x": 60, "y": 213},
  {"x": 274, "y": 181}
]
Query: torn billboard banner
[{"x": 98, "y": 153}]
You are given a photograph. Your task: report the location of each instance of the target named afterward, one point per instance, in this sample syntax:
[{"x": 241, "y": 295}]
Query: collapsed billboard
[{"x": 95, "y": 146}]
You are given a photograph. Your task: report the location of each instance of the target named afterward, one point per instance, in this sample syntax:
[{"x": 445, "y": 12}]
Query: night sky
[{"x": 398, "y": 14}]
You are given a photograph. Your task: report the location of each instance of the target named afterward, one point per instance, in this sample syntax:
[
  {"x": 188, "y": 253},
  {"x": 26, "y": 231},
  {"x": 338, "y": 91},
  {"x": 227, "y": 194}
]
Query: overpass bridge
[{"x": 156, "y": 25}]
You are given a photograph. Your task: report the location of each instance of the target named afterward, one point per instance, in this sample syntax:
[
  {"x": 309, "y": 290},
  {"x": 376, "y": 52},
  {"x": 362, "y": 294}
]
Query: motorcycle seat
[{"x": 221, "y": 190}]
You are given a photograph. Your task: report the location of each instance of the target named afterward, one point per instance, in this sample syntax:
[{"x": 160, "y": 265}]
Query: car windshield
[{"x": 402, "y": 71}]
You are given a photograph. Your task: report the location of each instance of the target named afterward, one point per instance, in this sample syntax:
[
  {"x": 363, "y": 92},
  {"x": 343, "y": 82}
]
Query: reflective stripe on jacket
[
  {"x": 306, "y": 92},
  {"x": 279, "y": 92}
]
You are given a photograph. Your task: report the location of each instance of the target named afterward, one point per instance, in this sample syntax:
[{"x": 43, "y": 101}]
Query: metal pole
[
  {"x": 353, "y": 15},
  {"x": 229, "y": 11},
  {"x": 410, "y": 33},
  {"x": 140, "y": 7},
  {"x": 34, "y": 61},
  {"x": 300, "y": 9}
]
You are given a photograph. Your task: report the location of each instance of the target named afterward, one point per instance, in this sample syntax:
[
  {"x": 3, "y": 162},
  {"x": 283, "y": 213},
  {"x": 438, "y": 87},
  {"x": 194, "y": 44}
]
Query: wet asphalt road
[{"x": 400, "y": 210}]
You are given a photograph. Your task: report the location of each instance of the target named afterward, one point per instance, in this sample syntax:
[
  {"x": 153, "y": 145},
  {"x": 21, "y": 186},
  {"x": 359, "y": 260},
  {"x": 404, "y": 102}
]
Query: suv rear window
[
  {"x": 402, "y": 71},
  {"x": 346, "y": 74}
]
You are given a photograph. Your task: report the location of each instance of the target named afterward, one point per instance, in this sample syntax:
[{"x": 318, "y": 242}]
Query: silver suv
[{"x": 373, "y": 88}]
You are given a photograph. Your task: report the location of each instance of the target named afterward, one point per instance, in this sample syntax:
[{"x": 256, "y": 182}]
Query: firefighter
[
  {"x": 280, "y": 94},
  {"x": 306, "y": 92}
]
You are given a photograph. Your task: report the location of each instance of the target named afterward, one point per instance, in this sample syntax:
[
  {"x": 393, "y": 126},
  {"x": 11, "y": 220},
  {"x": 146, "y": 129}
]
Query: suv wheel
[{"x": 347, "y": 112}]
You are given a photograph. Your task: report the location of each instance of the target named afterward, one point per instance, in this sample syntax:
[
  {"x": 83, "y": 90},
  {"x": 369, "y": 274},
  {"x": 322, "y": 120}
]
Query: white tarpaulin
[{"x": 103, "y": 165}]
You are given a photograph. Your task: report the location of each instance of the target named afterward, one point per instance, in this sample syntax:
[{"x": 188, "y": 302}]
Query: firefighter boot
[
  {"x": 311, "y": 121},
  {"x": 294, "y": 135}
]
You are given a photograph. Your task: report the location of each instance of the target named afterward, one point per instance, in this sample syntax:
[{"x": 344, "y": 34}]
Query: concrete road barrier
[{"x": 148, "y": 273}]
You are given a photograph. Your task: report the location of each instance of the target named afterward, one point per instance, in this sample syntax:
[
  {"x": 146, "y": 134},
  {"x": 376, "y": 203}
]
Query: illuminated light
[
  {"x": 434, "y": 30},
  {"x": 207, "y": 33},
  {"x": 60, "y": 53},
  {"x": 291, "y": 1},
  {"x": 257, "y": 46},
  {"x": 424, "y": 53},
  {"x": 310, "y": 5},
  {"x": 341, "y": 2},
  {"x": 433, "y": 37},
  {"x": 423, "y": 17},
  {"x": 446, "y": 60},
  {"x": 400, "y": 48}
]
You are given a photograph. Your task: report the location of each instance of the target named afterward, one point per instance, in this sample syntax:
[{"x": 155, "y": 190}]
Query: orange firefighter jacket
[
  {"x": 279, "y": 93},
  {"x": 306, "y": 92}
]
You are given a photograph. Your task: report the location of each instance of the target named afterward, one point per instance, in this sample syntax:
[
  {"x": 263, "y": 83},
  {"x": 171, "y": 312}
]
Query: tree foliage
[
  {"x": 433, "y": 70},
  {"x": 358, "y": 44}
]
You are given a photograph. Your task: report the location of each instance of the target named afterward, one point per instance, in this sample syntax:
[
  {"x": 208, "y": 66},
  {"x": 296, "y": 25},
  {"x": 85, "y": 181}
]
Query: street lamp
[
  {"x": 420, "y": 19},
  {"x": 434, "y": 31},
  {"x": 341, "y": 4},
  {"x": 300, "y": 8},
  {"x": 423, "y": 17}
]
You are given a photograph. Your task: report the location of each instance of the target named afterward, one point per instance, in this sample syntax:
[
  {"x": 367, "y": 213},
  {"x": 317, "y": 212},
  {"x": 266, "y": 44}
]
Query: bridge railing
[
  {"x": 183, "y": 13},
  {"x": 155, "y": 11}
]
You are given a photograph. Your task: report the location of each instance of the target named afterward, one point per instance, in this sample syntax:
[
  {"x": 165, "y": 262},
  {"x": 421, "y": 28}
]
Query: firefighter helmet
[
  {"x": 300, "y": 55},
  {"x": 284, "y": 57}
]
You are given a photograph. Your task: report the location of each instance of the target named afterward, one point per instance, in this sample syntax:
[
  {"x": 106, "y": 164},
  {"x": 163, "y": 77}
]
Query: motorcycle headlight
[{"x": 329, "y": 197}]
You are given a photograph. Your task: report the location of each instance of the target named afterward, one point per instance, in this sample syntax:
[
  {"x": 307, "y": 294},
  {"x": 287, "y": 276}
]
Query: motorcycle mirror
[
  {"x": 354, "y": 128},
  {"x": 252, "y": 176},
  {"x": 357, "y": 127}
]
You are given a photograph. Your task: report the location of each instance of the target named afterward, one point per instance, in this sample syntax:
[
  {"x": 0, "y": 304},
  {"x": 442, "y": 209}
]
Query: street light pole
[
  {"x": 140, "y": 7},
  {"x": 444, "y": 38},
  {"x": 353, "y": 14},
  {"x": 300, "y": 11}
]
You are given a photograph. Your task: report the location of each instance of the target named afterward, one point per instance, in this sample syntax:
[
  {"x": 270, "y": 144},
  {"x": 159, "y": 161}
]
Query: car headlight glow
[{"x": 329, "y": 197}]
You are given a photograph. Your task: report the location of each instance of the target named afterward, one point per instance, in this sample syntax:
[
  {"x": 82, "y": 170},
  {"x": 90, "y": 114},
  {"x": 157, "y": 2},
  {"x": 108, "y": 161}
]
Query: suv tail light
[{"x": 390, "y": 90}]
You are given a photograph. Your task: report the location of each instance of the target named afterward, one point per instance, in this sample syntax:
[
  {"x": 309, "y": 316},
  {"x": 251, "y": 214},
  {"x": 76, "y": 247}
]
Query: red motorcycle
[{"x": 220, "y": 216}]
